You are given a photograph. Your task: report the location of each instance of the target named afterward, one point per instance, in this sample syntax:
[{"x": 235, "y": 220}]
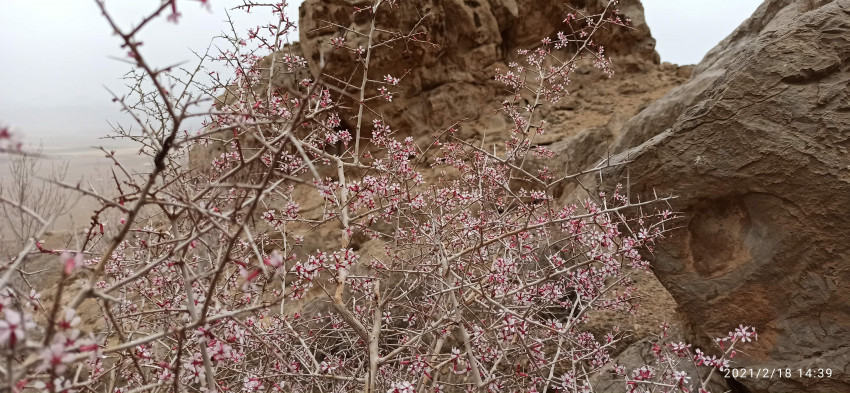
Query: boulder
[
  {"x": 661, "y": 114},
  {"x": 760, "y": 162}
]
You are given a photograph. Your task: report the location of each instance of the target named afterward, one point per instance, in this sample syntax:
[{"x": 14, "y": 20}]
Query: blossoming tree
[{"x": 443, "y": 267}]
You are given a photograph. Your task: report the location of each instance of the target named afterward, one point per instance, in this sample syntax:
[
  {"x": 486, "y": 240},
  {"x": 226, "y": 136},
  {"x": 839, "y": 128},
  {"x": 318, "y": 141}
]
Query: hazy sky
[{"x": 55, "y": 54}]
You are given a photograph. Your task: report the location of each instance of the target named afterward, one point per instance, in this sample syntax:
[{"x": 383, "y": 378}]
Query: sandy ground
[{"x": 87, "y": 168}]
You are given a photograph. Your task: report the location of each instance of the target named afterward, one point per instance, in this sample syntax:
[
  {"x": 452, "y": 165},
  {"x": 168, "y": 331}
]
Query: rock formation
[
  {"x": 453, "y": 79},
  {"x": 757, "y": 148},
  {"x": 468, "y": 40}
]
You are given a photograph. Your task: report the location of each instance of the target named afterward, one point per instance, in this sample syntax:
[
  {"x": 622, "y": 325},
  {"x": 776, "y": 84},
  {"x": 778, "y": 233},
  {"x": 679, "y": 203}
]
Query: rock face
[
  {"x": 452, "y": 78},
  {"x": 760, "y": 162},
  {"x": 661, "y": 114},
  {"x": 445, "y": 80},
  {"x": 755, "y": 146}
]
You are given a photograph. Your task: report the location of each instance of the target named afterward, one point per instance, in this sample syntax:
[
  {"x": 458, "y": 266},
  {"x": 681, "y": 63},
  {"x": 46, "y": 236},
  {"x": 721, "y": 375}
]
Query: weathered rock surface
[
  {"x": 661, "y": 114},
  {"x": 760, "y": 161},
  {"x": 451, "y": 77},
  {"x": 755, "y": 145},
  {"x": 453, "y": 80}
]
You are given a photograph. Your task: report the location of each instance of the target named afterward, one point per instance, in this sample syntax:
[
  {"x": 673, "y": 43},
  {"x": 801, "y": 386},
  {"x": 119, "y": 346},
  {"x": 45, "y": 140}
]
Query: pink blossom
[
  {"x": 401, "y": 387},
  {"x": 71, "y": 261},
  {"x": 12, "y": 328},
  {"x": 69, "y": 320},
  {"x": 55, "y": 357}
]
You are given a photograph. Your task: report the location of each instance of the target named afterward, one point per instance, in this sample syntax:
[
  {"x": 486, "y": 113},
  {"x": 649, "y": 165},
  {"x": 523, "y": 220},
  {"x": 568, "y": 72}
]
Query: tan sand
[{"x": 87, "y": 168}]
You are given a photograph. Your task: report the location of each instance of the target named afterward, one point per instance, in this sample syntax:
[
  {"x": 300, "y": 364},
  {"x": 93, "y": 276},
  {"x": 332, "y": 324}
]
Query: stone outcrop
[
  {"x": 757, "y": 148},
  {"x": 661, "y": 114},
  {"x": 451, "y": 78},
  {"x": 445, "y": 79}
]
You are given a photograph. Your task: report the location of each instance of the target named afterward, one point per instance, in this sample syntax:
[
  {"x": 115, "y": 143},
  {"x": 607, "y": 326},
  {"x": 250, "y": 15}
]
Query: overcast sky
[{"x": 55, "y": 54}]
